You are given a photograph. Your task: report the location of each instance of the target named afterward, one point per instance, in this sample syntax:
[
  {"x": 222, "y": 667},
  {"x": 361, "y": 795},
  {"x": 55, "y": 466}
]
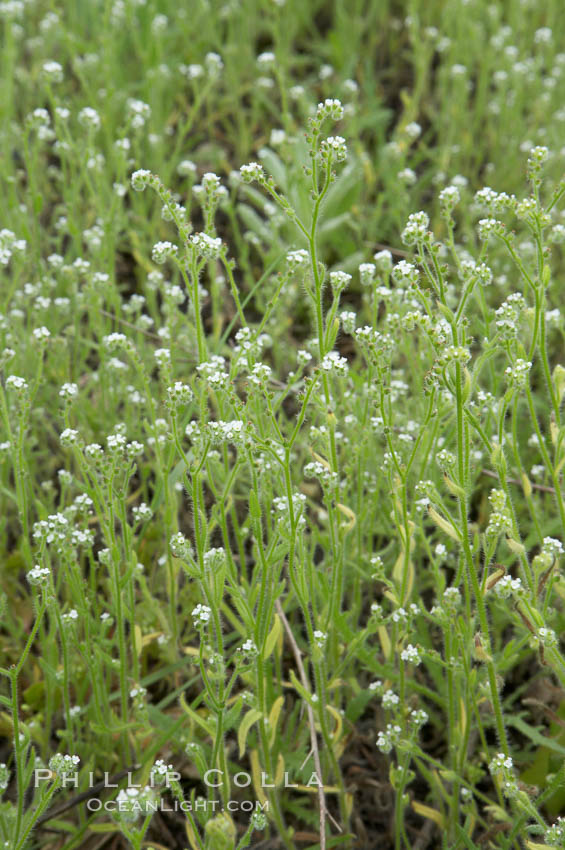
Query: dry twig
[{"x": 313, "y": 737}]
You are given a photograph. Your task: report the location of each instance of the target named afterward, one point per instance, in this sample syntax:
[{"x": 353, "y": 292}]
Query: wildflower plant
[{"x": 282, "y": 448}]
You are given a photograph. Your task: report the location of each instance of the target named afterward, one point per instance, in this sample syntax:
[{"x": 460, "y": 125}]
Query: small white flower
[
  {"x": 142, "y": 513},
  {"x": 251, "y": 171},
  {"x": 68, "y": 391},
  {"x": 69, "y": 437},
  {"x": 89, "y": 118},
  {"x": 411, "y": 654},
  {"x": 52, "y": 71},
  {"x": 201, "y": 615},
  {"x": 162, "y": 251},
  {"x": 140, "y": 179},
  {"x": 14, "y": 382},
  {"x": 38, "y": 575}
]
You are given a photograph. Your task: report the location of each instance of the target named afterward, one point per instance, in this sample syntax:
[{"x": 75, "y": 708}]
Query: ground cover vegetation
[{"x": 282, "y": 449}]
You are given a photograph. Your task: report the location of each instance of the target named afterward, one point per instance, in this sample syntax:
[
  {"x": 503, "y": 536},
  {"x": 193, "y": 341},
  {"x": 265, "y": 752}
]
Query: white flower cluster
[
  {"x": 367, "y": 273},
  {"x": 538, "y": 155},
  {"x": 335, "y": 364},
  {"x": 416, "y": 230},
  {"x": 517, "y": 374},
  {"x": 297, "y": 260},
  {"x": 18, "y": 384},
  {"x": 214, "y": 370},
  {"x": 389, "y": 738},
  {"x": 162, "y": 251},
  {"x": 448, "y": 199},
  {"x": 418, "y": 717},
  {"x": 494, "y": 202},
  {"x": 163, "y": 357},
  {"x": 405, "y": 274},
  {"x": 178, "y": 394},
  {"x": 547, "y": 637},
  {"x": 303, "y": 357},
  {"x": 4, "y": 777},
  {"x": 260, "y": 375},
  {"x": 411, "y": 654},
  {"x": 214, "y": 559},
  {"x": 249, "y": 648},
  {"x": 69, "y": 437},
  {"x": 445, "y": 459},
  {"x": 281, "y": 509},
  {"x": 71, "y": 616},
  {"x": 114, "y": 341},
  {"x": 142, "y": 513},
  {"x": 252, "y": 171},
  {"x": 334, "y": 147},
  {"x": 454, "y": 354},
  {"x": 137, "y": 112},
  {"x": 64, "y": 765},
  {"x": 180, "y": 547},
  {"x": 206, "y": 246},
  {"x": 555, "y": 835},
  {"x": 140, "y": 179},
  {"x": 58, "y": 531},
  {"x": 38, "y": 576},
  {"x": 488, "y": 227},
  {"x": 201, "y": 615},
  {"x": 369, "y": 336},
  {"x": 552, "y": 547},
  {"x": 339, "y": 281},
  {"x": 160, "y": 772},
  {"x": 383, "y": 261},
  {"x": 89, "y": 119},
  {"x": 499, "y": 764},
  {"x": 390, "y": 699},
  {"x": 507, "y": 315},
  {"x": 318, "y": 470},
  {"x": 330, "y": 108},
  {"x": 10, "y": 245},
  {"x": 232, "y": 431},
  {"x": 500, "y": 521},
  {"x": 507, "y": 586},
  {"x": 249, "y": 343},
  {"x": 68, "y": 391},
  {"x": 132, "y": 803},
  {"x": 348, "y": 319},
  {"x": 186, "y": 168},
  {"x": 452, "y": 598},
  {"x": 502, "y": 766}
]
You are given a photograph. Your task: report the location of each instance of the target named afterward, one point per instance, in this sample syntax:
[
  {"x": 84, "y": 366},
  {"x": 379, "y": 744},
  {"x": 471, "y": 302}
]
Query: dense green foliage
[{"x": 281, "y": 459}]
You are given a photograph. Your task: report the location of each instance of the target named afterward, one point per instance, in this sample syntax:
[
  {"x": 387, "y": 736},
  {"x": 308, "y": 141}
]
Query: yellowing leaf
[
  {"x": 138, "y": 639},
  {"x": 385, "y": 641},
  {"x": 430, "y": 814},
  {"x": 256, "y": 774},
  {"x": 398, "y": 574},
  {"x": 349, "y": 514},
  {"x": 274, "y": 718},
  {"x": 279, "y": 772},
  {"x": 272, "y": 637},
  {"x": 250, "y": 718},
  {"x": 442, "y": 523},
  {"x": 463, "y": 717},
  {"x": 320, "y": 459},
  {"x": 336, "y": 734}
]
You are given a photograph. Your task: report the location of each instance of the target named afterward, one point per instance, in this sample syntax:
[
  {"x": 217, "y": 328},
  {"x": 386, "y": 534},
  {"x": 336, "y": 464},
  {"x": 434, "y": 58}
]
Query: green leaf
[{"x": 535, "y": 736}]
